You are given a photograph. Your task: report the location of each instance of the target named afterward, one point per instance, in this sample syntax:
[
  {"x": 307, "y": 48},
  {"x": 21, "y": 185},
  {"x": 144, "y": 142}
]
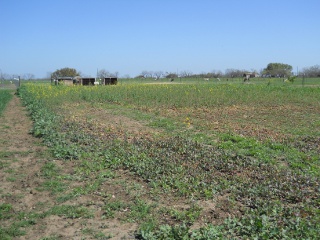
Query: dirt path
[
  {"x": 19, "y": 158},
  {"x": 26, "y": 209}
]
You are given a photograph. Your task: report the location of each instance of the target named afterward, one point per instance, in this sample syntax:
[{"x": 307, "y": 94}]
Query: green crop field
[
  {"x": 299, "y": 81},
  {"x": 244, "y": 158},
  {"x": 5, "y": 96}
]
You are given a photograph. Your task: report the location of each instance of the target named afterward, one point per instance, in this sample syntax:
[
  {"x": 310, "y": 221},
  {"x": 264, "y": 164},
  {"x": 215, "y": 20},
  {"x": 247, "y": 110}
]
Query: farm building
[
  {"x": 84, "y": 81},
  {"x": 64, "y": 80},
  {"x": 87, "y": 81},
  {"x": 250, "y": 74},
  {"x": 74, "y": 80},
  {"x": 110, "y": 81}
]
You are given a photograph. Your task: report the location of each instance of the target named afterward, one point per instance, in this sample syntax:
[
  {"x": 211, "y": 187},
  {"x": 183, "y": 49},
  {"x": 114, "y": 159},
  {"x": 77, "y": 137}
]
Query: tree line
[
  {"x": 271, "y": 70},
  {"x": 6, "y": 76}
]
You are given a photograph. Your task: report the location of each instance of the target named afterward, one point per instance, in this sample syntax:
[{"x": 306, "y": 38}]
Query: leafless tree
[
  {"x": 151, "y": 73},
  {"x": 230, "y": 72},
  {"x": 147, "y": 74},
  {"x": 103, "y": 74},
  {"x": 313, "y": 71},
  {"x": 216, "y": 74},
  {"x": 28, "y": 76},
  {"x": 185, "y": 73},
  {"x": 144, "y": 74},
  {"x": 158, "y": 74},
  {"x": 171, "y": 75}
]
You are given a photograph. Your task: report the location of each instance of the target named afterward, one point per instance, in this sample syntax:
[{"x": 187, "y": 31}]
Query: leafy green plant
[
  {"x": 187, "y": 216},
  {"x": 5, "y": 97},
  {"x": 50, "y": 170},
  {"x": 70, "y": 211},
  {"x": 18, "y": 221},
  {"x": 97, "y": 235},
  {"x": 112, "y": 207},
  {"x": 165, "y": 232},
  {"x": 55, "y": 186},
  {"x": 139, "y": 210},
  {"x": 6, "y": 211}
]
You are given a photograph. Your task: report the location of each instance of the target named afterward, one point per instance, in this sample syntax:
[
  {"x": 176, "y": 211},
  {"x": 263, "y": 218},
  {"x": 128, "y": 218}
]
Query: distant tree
[
  {"x": 65, "y": 72},
  {"x": 216, "y": 74},
  {"x": 126, "y": 76},
  {"x": 203, "y": 75},
  {"x": 102, "y": 73},
  {"x": 313, "y": 71},
  {"x": 147, "y": 74},
  {"x": 139, "y": 76},
  {"x": 171, "y": 75},
  {"x": 232, "y": 73},
  {"x": 144, "y": 74},
  {"x": 5, "y": 76},
  {"x": 28, "y": 76},
  {"x": 158, "y": 74},
  {"x": 185, "y": 73},
  {"x": 278, "y": 70}
]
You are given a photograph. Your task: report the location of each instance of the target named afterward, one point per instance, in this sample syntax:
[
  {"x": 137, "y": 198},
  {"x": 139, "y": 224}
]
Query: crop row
[{"x": 275, "y": 200}]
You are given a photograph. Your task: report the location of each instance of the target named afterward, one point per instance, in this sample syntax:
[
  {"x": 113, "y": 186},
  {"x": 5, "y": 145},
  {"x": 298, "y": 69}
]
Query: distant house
[
  {"x": 251, "y": 74},
  {"x": 74, "y": 80},
  {"x": 85, "y": 81},
  {"x": 248, "y": 75},
  {"x": 64, "y": 80},
  {"x": 110, "y": 81}
]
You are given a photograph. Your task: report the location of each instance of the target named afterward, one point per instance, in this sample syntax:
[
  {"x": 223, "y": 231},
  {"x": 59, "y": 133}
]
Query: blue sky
[{"x": 131, "y": 36}]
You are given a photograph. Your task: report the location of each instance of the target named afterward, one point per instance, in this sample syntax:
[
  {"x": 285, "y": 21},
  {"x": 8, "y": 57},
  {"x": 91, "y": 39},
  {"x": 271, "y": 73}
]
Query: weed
[
  {"x": 55, "y": 186},
  {"x": 53, "y": 237},
  {"x": 70, "y": 211},
  {"x": 95, "y": 234},
  {"x": 11, "y": 179},
  {"x": 139, "y": 210},
  {"x": 50, "y": 170},
  {"x": 112, "y": 207},
  {"x": 20, "y": 221},
  {"x": 188, "y": 216},
  {"x": 6, "y": 211}
]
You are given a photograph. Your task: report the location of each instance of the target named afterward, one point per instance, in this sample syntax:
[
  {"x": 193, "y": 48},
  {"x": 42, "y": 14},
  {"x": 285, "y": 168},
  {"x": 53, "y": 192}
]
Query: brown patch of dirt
[
  {"x": 273, "y": 123},
  {"x": 217, "y": 210},
  {"x": 101, "y": 121}
]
